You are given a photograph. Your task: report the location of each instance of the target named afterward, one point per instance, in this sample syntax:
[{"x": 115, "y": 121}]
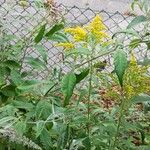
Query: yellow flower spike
[
  {"x": 133, "y": 60},
  {"x": 97, "y": 28},
  {"x": 97, "y": 24},
  {"x": 66, "y": 45},
  {"x": 129, "y": 91},
  {"x": 78, "y": 33}
]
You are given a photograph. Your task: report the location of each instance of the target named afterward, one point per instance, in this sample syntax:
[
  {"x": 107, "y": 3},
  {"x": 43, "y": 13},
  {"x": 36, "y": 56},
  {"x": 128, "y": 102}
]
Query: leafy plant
[{"x": 85, "y": 107}]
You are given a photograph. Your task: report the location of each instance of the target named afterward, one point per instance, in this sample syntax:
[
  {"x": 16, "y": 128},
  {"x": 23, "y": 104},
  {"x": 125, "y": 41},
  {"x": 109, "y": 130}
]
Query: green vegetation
[{"x": 87, "y": 108}]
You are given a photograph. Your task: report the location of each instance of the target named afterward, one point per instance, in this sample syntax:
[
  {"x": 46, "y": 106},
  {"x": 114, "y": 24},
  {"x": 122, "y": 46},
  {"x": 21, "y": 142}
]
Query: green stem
[
  {"x": 121, "y": 114},
  {"x": 89, "y": 91}
]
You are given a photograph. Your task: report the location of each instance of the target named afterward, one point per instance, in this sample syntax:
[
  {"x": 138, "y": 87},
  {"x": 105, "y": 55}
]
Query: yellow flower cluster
[
  {"x": 78, "y": 33},
  {"x": 97, "y": 28},
  {"x": 129, "y": 91},
  {"x": 133, "y": 60},
  {"x": 66, "y": 45},
  {"x": 136, "y": 79}
]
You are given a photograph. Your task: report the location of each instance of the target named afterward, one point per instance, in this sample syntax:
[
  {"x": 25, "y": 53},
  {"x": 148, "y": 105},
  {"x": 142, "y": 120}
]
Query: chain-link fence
[{"x": 22, "y": 18}]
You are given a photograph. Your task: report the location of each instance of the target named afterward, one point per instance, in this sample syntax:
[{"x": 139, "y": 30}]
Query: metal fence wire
[{"x": 21, "y": 19}]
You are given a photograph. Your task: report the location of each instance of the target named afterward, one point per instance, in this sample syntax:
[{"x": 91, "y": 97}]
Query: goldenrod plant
[{"x": 84, "y": 107}]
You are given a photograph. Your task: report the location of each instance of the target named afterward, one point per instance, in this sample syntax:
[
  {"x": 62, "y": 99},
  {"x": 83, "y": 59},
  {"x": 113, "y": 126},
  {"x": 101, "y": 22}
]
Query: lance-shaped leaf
[
  {"x": 54, "y": 29},
  {"x": 82, "y": 75},
  {"x": 40, "y": 35},
  {"x": 120, "y": 63},
  {"x": 68, "y": 84},
  {"x": 137, "y": 20}
]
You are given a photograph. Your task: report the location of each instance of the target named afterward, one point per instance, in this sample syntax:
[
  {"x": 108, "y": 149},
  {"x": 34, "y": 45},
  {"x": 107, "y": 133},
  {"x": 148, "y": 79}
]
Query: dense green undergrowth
[{"x": 94, "y": 105}]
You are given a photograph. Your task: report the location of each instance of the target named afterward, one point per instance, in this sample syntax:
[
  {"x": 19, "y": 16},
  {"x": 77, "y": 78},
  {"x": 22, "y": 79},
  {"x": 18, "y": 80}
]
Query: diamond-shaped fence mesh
[{"x": 21, "y": 19}]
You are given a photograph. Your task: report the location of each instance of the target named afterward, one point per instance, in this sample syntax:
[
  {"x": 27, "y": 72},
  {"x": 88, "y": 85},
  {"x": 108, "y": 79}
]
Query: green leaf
[
  {"x": 80, "y": 51},
  {"x": 137, "y": 20},
  {"x": 58, "y": 37},
  {"x": 23, "y": 105},
  {"x": 39, "y": 127},
  {"x": 42, "y": 51},
  {"x": 68, "y": 84},
  {"x": 3, "y": 73},
  {"x": 40, "y": 35},
  {"x": 82, "y": 75},
  {"x": 9, "y": 91},
  {"x": 87, "y": 143},
  {"x": 128, "y": 32},
  {"x": 6, "y": 120},
  {"x": 20, "y": 127},
  {"x": 100, "y": 65},
  {"x": 134, "y": 43},
  {"x": 43, "y": 110},
  {"x": 54, "y": 29},
  {"x": 148, "y": 45},
  {"x": 141, "y": 98},
  {"x": 36, "y": 63},
  {"x": 29, "y": 85},
  {"x": 46, "y": 139},
  {"x": 11, "y": 64},
  {"x": 3, "y": 98},
  {"x": 16, "y": 77},
  {"x": 63, "y": 138},
  {"x": 120, "y": 63}
]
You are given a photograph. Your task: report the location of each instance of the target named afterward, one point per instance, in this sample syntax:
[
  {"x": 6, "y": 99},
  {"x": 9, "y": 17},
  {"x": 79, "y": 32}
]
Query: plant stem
[
  {"x": 89, "y": 91},
  {"x": 121, "y": 114}
]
